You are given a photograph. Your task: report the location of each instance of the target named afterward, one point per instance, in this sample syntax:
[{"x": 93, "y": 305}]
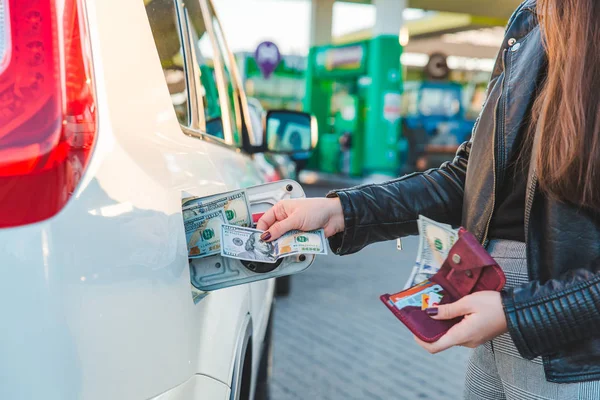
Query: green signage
[
  {"x": 336, "y": 60},
  {"x": 291, "y": 67}
]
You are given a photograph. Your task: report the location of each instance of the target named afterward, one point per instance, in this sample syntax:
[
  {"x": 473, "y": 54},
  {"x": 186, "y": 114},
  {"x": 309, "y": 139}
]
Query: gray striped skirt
[{"x": 496, "y": 371}]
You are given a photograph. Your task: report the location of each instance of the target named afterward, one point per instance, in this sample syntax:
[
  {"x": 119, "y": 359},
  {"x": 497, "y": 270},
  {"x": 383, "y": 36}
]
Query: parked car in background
[{"x": 110, "y": 114}]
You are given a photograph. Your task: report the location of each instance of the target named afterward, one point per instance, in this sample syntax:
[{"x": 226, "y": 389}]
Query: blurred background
[{"x": 395, "y": 87}]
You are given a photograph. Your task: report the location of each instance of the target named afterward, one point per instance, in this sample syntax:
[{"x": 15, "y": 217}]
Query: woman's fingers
[
  {"x": 450, "y": 311},
  {"x": 276, "y": 221},
  {"x": 266, "y": 220},
  {"x": 303, "y": 214},
  {"x": 454, "y": 337},
  {"x": 279, "y": 228}
]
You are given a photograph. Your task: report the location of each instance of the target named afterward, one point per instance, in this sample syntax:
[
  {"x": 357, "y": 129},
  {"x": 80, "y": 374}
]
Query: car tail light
[{"x": 47, "y": 107}]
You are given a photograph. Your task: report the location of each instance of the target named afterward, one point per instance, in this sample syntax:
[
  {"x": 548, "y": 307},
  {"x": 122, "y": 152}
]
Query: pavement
[
  {"x": 334, "y": 339},
  {"x": 324, "y": 180}
]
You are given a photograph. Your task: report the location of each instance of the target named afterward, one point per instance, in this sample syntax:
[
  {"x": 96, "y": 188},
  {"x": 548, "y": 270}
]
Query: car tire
[
  {"x": 263, "y": 380},
  {"x": 283, "y": 286}
]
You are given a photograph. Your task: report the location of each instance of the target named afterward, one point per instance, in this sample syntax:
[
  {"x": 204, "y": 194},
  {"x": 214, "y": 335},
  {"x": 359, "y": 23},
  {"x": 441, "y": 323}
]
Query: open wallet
[{"x": 468, "y": 269}]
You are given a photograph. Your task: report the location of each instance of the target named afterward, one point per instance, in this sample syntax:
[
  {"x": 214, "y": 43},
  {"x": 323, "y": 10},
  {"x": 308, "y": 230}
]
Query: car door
[
  {"x": 204, "y": 100},
  {"x": 244, "y": 170},
  {"x": 227, "y": 127}
]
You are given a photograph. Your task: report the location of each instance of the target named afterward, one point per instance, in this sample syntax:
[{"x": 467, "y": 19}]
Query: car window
[
  {"x": 208, "y": 90},
  {"x": 256, "y": 114},
  {"x": 162, "y": 15},
  {"x": 230, "y": 88}
]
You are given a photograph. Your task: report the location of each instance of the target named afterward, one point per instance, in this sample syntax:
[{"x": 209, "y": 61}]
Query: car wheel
[
  {"x": 283, "y": 285},
  {"x": 263, "y": 381}
]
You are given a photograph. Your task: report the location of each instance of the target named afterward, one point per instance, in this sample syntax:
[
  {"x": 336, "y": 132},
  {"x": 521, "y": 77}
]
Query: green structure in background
[
  {"x": 284, "y": 89},
  {"x": 355, "y": 90}
]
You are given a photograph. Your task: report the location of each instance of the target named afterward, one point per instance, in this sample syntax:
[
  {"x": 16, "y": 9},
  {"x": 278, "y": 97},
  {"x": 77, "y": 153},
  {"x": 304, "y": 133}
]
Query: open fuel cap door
[{"x": 218, "y": 272}]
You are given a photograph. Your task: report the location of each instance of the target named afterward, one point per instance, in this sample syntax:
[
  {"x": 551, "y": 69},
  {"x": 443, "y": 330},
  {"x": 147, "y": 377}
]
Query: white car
[{"x": 111, "y": 112}]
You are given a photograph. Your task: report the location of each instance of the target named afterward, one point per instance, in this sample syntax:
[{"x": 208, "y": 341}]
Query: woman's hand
[
  {"x": 484, "y": 320},
  {"x": 302, "y": 214}
]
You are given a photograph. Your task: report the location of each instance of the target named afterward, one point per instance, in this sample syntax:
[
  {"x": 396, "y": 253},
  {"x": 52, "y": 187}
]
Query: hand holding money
[
  {"x": 220, "y": 224},
  {"x": 246, "y": 244},
  {"x": 304, "y": 215}
]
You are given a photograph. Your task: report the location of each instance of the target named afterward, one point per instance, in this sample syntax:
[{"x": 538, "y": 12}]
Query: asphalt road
[{"x": 334, "y": 339}]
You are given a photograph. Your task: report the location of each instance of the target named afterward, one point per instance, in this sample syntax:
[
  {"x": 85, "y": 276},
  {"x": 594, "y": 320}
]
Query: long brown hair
[{"x": 567, "y": 110}]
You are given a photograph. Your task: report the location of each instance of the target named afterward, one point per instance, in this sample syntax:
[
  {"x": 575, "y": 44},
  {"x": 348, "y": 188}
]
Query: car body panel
[
  {"x": 96, "y": 301},
  {"x": 197, "y": 387}
]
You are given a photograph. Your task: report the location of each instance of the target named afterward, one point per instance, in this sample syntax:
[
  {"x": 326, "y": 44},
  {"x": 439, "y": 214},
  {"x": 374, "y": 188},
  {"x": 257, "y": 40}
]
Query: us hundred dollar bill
[
  {"x": 203, "y": 233},
  {"x": 245, "y": 244},
  {"x": 234, "y": 204},
  {"x": 435, "y": 241},
  {"x": 198, "y": 294},
  {"x": 299, "y": 242},
  {"x": 438, "y": 240}
]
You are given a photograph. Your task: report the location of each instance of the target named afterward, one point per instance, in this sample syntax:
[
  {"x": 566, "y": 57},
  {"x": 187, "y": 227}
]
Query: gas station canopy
[{"x": 483, "y": 8}]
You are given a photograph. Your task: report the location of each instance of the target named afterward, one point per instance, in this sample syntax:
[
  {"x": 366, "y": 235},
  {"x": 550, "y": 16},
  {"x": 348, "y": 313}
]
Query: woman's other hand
[
  {"x": 302, "y": 214},
  {"x": 484, "y": 319}
]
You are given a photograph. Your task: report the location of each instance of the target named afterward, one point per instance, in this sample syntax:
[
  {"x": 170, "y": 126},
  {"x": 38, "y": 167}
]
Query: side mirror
[{"x": 290, "y": 132}]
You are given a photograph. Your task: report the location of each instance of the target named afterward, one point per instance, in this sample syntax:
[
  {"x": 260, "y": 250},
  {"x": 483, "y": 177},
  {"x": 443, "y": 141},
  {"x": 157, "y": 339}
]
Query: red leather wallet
[{"x": 469, "y": 268}]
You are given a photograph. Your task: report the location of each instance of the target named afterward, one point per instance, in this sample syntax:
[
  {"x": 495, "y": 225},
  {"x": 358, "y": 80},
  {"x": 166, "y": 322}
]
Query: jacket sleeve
[
  {"x": 545, "y": 317},
  {"x": 378, "y": 212}
]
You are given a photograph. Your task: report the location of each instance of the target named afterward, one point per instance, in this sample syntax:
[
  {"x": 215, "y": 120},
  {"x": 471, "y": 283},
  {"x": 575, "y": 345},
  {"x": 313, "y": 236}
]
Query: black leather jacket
[{"x": 557, "y": 314}]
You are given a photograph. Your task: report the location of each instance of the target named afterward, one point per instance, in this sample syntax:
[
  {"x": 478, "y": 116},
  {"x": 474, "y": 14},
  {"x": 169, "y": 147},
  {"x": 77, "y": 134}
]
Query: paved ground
[{"x": 334, "y": 339}]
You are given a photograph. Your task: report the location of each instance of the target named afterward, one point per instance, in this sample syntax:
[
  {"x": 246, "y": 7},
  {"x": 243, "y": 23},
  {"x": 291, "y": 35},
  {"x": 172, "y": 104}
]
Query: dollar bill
[
  {"x": 185, "y": 200},
  {"x": 235, "y": 205},
  {"x": 438, "y": 240},
  {"x": 245, "y": 244},
  {"x": 299, "y": 242},
  {"x": 435, "y": 241},
  {"x": 412, "y": 278},
  {"x": 203, "y": 233},
  {"x": 198, "y": 294}
]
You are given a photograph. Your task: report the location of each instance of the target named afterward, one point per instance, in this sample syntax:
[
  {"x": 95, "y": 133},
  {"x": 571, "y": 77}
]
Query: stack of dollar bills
[
  {"x": 202, "y": 220},
  {"x": 203, "y": 217},
  {"x": 435, "y": 241}
]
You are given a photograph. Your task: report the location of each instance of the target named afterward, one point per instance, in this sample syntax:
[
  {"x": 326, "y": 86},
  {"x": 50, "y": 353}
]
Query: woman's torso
[{"x": 560, "y": 237}]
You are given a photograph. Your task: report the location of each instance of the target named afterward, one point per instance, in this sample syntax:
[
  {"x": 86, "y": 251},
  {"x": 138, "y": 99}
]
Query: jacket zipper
[
  {"x": 529, "y": 205},
  {"x": 502, "y": 112},
  {"x": 487, "y": 227}
]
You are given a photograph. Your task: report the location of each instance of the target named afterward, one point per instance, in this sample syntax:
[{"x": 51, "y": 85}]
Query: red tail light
[{"x": 47, "y": 107}]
